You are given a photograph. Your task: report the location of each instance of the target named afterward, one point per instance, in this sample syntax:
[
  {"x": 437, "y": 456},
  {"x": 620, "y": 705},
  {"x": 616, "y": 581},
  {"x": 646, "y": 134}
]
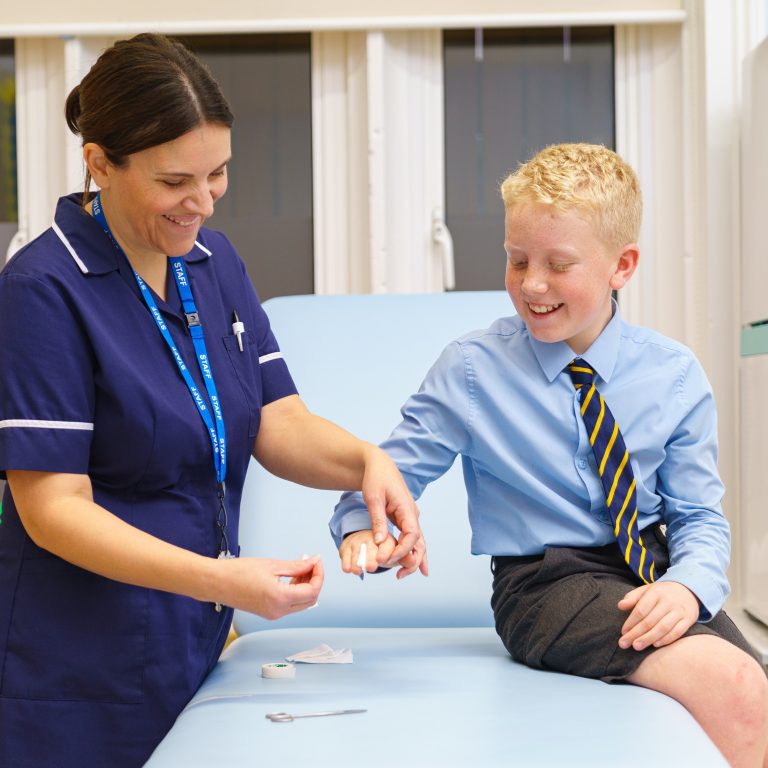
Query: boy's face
[{"x": 560, "y": 274}]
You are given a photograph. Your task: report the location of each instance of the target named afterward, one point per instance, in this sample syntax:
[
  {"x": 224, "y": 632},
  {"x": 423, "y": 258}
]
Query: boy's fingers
[
  {"x": 641, "y": 612},
  {"x": 348, "y": 557},
  {"x": 631, "y": 598},
  {"x": 652, "y": 628},
  {"x": 674, "y": 634}
]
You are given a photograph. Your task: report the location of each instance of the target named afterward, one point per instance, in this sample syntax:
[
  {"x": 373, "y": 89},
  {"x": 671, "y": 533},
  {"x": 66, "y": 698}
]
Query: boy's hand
[
  {"x": 378, "y": 555},
  {"x": 660, "y": 614}
]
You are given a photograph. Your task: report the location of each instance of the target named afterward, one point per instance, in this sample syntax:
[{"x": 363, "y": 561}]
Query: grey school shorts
[{"x": 558, "y": 611}]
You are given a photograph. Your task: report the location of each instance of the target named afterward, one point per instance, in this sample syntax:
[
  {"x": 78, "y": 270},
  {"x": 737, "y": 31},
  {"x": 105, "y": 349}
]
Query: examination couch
[{"x": 436, "y": 683}]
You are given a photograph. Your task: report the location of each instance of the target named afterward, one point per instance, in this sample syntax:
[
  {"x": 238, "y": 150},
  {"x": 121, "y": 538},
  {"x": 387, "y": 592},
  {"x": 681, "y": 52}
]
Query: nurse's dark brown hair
[{"x": 140, "y": 93}]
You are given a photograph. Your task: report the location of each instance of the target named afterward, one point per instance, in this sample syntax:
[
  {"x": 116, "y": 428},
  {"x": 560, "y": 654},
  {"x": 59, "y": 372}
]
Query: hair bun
[{"x": 72, "y": 110}]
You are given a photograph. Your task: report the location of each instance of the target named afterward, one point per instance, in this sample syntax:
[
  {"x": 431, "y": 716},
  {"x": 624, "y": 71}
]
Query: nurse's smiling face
[{"x": 157, "y": 201}]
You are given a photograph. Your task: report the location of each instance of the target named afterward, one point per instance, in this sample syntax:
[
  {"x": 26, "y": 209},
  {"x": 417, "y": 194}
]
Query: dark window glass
[
  {"x": 509, "y": 93},
  {"x": 267, "y": 211}
]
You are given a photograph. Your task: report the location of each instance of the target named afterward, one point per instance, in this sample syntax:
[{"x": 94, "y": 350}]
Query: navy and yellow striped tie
[{"x": 614, "y": 468}]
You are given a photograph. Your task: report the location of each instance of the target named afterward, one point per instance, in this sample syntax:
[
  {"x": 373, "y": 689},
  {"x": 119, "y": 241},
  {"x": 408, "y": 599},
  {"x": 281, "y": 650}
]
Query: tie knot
[{"x": 581, "y": 373}]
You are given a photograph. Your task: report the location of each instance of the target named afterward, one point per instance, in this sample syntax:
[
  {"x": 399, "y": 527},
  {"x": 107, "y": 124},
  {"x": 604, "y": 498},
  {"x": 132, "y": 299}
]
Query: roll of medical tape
[{"x": 279, "y": 669}]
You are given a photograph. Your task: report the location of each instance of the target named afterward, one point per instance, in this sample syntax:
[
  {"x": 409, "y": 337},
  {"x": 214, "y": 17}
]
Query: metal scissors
[{"x": 285, "y": 717}]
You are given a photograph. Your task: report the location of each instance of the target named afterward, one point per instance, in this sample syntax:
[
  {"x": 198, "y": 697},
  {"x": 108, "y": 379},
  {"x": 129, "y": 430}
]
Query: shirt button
[{"x": 582, "y": 464}]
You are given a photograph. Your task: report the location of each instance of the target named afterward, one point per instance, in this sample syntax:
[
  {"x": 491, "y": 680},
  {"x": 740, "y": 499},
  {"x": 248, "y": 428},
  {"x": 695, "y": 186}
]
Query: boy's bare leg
[{"x": 724, "y": 689}]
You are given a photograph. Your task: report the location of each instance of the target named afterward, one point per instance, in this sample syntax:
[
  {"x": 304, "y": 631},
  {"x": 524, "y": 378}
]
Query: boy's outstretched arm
[{"x": 423, "y": 447}]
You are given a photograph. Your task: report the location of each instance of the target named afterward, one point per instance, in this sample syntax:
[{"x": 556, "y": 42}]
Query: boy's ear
[
  {"x": 625, "y": 266},
  {"x": 97, "y": 163}
]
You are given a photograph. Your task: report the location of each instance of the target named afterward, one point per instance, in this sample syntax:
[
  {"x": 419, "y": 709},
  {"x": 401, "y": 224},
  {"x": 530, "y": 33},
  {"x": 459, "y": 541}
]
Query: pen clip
[{"x": 238, "y": 328}]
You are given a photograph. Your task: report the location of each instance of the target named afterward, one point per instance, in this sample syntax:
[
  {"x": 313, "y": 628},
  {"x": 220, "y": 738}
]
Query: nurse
[{"x": 138, "y": 374}]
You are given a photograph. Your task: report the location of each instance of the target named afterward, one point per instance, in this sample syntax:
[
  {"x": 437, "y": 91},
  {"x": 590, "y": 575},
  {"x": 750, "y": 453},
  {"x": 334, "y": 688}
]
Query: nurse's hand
[
  {"x": 377, "y": 555},
  {"x": 269, "y": 588},
  {"x": 387, "y": 497}
]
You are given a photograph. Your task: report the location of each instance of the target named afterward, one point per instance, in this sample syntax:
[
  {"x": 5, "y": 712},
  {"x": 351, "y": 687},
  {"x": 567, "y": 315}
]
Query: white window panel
[
  {"x": 49, "y": 159},
  {"x": 378, "y": 161}
]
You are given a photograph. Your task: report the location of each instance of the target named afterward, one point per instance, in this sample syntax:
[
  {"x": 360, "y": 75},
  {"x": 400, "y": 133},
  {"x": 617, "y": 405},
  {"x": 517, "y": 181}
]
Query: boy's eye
[
  {"x": 516, "y": 263},
  {"x": 560, "y": 267}
]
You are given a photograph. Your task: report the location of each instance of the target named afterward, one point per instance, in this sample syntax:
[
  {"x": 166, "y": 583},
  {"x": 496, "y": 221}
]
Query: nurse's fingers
[
  {"x": 377, "y": 510},
  {"x": 304, "y": 574},
  {"x": 416, "y": 558},
  {"x": 303, "y": 594},
  {"x": 308, "y": 571},
  {"x": 262, "y": 586},
  {"x": 406, "y": 517}
]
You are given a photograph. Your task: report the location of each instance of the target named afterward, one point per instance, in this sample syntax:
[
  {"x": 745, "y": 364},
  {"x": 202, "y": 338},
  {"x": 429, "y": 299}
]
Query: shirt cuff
[
  {"x": 710, "y": 593},
  {"x": 355, "y": 520}
]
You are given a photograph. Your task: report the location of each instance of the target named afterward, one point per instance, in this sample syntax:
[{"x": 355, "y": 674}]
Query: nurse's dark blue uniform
[{"x": 93, "y": 672}]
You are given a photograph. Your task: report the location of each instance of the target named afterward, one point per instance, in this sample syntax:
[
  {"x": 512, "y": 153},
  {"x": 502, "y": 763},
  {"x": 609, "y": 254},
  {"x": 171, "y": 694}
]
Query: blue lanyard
[{"x": 215, "y": 427}]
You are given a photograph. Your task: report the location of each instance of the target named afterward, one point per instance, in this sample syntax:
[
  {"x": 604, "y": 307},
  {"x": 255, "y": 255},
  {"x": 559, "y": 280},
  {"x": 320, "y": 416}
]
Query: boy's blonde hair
[{"x": 582, "y": 177}]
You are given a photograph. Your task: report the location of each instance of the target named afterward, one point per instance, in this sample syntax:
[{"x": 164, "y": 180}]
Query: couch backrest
[{"x": 355, "y": 360}]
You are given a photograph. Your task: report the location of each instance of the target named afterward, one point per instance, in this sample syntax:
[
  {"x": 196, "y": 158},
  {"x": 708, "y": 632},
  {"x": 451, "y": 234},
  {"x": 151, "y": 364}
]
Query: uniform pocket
[
  {"x": 75, "y": 636},
  {"x": 555, "y": 632},
  {"x": 246, "y": 368}
]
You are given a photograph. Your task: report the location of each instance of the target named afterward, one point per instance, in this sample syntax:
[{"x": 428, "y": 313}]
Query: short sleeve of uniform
[
  {"x": 46, "y": 379},
  {"x": 276, "y": 379}
]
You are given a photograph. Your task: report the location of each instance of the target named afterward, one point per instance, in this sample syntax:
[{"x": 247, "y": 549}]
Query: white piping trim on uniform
[
  {"x": 44, "y": 424},
  {"x": 203, "y": 248},
  {"x": 271, "y": 356},
  {"x": 69, "y": 247}
]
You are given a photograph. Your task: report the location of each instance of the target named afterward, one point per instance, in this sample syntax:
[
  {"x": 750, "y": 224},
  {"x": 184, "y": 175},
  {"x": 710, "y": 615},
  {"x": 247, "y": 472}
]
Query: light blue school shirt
[{"x": 505, "y": 403}]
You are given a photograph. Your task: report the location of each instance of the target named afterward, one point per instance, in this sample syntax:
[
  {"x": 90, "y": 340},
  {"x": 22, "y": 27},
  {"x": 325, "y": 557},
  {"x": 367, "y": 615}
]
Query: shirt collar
[
  {"x": 602, "y": 354},
  {"x": 91, "y": 249}
]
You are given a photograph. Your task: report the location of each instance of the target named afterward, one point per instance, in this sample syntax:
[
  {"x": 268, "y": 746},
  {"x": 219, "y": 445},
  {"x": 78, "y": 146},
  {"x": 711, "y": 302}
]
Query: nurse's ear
[{"x": 97, "y": 164}]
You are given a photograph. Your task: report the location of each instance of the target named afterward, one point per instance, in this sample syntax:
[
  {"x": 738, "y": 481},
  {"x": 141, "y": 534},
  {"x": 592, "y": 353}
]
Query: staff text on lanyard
[{"x": 215, "y": 424}]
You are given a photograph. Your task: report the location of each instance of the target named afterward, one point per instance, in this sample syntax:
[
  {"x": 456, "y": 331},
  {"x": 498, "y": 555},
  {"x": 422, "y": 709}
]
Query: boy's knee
[{"x": 746, "y": 693}]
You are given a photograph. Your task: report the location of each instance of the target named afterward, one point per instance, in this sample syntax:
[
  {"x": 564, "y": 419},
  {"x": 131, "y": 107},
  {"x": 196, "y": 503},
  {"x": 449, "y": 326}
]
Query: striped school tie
[{"x": 614, "y": 468}]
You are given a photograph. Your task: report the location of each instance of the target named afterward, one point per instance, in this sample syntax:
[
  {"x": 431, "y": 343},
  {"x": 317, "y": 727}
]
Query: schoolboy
[{"x": 567, "y": 595}]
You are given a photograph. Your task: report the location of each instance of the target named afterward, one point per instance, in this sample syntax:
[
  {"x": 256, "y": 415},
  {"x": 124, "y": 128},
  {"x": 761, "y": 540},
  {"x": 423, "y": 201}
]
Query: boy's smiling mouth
[{"x": 543, "y": 309}]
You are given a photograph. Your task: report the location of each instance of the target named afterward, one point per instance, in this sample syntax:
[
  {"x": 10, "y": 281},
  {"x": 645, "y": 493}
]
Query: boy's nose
[{"x": 534, "y": 281}]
